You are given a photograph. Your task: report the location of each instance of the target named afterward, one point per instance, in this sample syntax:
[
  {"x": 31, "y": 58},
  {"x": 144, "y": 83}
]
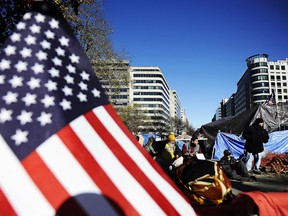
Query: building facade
[
  {"x": 259, "y": 80},
  {"x": 151, "y": 92}
]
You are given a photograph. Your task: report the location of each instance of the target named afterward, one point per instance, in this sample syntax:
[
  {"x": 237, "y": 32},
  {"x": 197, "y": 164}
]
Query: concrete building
[
  {"x": 150, "y": 90},
  {"x": 257, "y": 83}
]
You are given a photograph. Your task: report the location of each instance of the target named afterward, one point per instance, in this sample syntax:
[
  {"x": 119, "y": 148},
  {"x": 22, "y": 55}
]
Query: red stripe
[
  {"x": 130, "y": 165},
  {"x": 47, "y": 183},
  {"x": 109, "y": 108},
  {"x": 83, "y": 156},
  {"x": 5, "y": 207}
]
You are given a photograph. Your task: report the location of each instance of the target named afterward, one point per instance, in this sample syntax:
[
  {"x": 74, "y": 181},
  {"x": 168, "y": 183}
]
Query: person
[
  {"x": 169, "y": 155},
  {"x": 255, "y": 136},
  {"x": 234, "y": 169},
  {"x": 149, "y": 146},
  {"x": 190, "y": 149}
]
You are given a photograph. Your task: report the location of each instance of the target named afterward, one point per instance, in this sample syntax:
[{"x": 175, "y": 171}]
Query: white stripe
[
  {"x": 122, "y": 179},
  {"x": 65, "y": 167},
  {"x": 166, "y": 189},
  {"x": 18, "y": 187}
]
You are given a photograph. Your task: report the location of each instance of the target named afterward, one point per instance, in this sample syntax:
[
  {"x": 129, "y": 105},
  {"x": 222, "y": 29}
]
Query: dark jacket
[{"x": 255, "y": 136}]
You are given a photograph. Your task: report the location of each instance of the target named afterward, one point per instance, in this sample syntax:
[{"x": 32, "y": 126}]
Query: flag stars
[
  {"x": 96, "y": 93},
  {"x": 66, "y": 105},
  {"x": 41, "y": 55},
  {"x": 25, "y": 52},
  {"x": 54, "y": 72},
  {"x": 21, "y": 66},
  {"x": 83, "y": 86},
  {"x": 27, "y": 16},
  {"x": 10, "y": 97},
  {"x": 64, "y": 41},
  {"x": 4, "y": 64},
  {"x": 29, "y": 99},
  {"x": 57, "y": 61},
  {"x": 74, "y": 58},
  {"x": 50, "y": 85},
  {"x": 5, "y": 115},
  {"x": 60, "y": 52},
  {"x": 48, "y": 101},
  {"x": 40, "y": 18},
  {"x": 20, "y": 137},
  {"x": 38, "y": 68},
  {"x": 67, "y": 91},
  {"x": 15, "y": 37},
  {"x": 44, "y": 118},
  {"x": 25, "y": 117},
  {"x": 84, "y": 75},
  {"x": 49, "y": 34},
  {"x": 2, "y": 79},
  {"x": 35, "y": 28},
  {"x": 16, "y": 81},
  {"x": 71, "y": 69},
  {"x": 30, "y": 40},
  {"x": 54, "y": 24},
  {"x": 10, "y": 50},
  {"x": 45, "y": 44},
  {"x": 69, "y": 79},
  {"x": 82, "y": 97},
  {"x": 34, "y": 83},
  {"x": 21, "y": 26}
]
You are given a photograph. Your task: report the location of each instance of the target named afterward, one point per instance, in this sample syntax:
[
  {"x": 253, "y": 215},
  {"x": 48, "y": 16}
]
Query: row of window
[
  {"x": 151, "y": 81},
  {"x": 258, "y": 64},
  {"x": 257, "y": 78},
  {"x": 278, "y": 78},
  {"x": 277, "y": 67}
]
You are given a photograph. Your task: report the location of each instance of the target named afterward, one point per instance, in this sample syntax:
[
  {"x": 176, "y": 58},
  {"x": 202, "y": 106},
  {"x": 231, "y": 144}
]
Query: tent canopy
[
  {"x": 275, "y": 118},
  {"x": 278, "y": 143}
]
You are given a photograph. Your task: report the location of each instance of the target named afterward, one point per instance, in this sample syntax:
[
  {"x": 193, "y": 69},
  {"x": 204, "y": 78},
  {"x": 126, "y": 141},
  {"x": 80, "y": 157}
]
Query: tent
[
  {"x": 275, "y": 117},
  {"x": 278, "y": 143}
]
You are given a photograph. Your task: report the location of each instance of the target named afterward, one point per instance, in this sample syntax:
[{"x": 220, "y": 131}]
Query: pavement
[{"x": 266, "y": 182}]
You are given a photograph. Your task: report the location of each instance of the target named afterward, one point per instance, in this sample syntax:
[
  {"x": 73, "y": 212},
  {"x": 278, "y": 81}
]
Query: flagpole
[{"x": 277, "y": 114}]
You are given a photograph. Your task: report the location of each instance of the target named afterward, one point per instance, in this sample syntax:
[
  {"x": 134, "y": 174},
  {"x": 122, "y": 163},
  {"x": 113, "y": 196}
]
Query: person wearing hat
[
  {"x": 170, "y": 153},
  {"x": 234, "y": 169},
  {"x": 255, "y": 136}
]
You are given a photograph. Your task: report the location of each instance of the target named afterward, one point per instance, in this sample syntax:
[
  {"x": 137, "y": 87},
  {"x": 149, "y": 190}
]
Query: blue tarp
[{"x": 278, "y": 143}]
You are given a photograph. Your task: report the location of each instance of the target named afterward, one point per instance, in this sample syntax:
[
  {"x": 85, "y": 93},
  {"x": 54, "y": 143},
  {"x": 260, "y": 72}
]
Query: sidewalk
[{"x": 266, "y": 182}]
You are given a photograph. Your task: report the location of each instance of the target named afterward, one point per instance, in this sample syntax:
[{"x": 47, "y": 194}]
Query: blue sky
[{"x": 200, "y": 46}]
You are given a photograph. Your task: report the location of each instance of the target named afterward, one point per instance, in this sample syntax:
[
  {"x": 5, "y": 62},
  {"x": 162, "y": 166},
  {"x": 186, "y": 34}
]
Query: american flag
[
  {"x": 63, "y": 147},
  {"x": 271, "y": 99}
]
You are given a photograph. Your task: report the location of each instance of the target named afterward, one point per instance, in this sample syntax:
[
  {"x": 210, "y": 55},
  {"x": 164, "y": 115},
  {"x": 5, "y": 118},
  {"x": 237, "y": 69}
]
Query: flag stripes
[
  {"x": 33, "y": 164},
  {"x": 112, "y": 123},
  {"x": 17, "y": 185},
  {"x": 132, "y": 150},
  {"x": 76, "y": 147},
  {"x": 115, "y": 167},
  {"x": 128, "y": 162},
  {"x": 5, "y": 207}
]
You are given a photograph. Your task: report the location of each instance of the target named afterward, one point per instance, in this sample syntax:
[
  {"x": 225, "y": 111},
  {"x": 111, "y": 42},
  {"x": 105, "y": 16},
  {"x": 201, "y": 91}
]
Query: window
[
  {"x": 282, "y": 67},
  {"x": 271, "y": 67},
  {"x": 277, "y": 67}
]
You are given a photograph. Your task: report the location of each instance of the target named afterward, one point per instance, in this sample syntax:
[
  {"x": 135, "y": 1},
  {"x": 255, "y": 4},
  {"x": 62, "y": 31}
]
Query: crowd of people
[{"x": 169, "y": 155}]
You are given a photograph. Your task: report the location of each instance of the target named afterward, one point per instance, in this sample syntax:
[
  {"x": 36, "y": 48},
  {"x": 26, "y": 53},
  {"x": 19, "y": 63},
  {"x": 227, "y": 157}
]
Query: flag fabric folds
[
  {"x": 271, "y": 100},
  {"x": 63, "y": 147}
]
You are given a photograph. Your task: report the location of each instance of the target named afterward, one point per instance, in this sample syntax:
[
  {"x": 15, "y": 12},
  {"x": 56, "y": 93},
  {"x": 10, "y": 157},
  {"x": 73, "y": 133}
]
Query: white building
[{"x": 150, "y": 90}]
